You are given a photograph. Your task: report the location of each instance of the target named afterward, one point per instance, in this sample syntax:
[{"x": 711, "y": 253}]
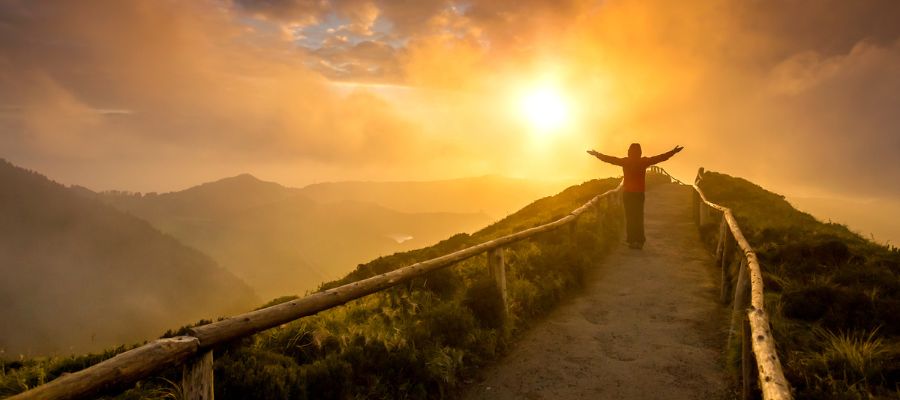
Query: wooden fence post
[
  {"x": 697, "y": 199},
  {"x": 703, "y": 214},
  {"x": 497, "y": 266},
  {"x": 748, "y": 361},
  {"x": 598, "y": 212},
  {"x": 720, "y": 249},
  {"x": 728, "y": 258},
  {"x": 197, "y": 377},
  {"x": 741, "y": 298},
  {"x": 695, "y": 208}
]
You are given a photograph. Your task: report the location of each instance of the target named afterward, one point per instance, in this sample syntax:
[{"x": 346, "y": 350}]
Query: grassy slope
[
  {"x": 833, "y": 295},
  {"x": 414, "y": 341},
  {"x": 419, "y": 340}
]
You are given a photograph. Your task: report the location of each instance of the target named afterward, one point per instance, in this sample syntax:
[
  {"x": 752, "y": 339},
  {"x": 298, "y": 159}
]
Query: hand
[
  {"x": 678, "y": 148},
  {"x": 593, "y": 152}
]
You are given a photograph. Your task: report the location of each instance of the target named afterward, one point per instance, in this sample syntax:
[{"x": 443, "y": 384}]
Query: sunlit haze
[
  {"x": 800, "y": 96},
  {"x": 545, "y": 109}
]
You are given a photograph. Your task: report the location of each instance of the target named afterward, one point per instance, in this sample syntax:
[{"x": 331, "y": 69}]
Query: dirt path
[{"x": 647, "y": 325}]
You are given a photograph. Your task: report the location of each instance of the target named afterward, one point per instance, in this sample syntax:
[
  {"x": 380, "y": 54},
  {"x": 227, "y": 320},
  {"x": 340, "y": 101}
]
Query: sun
[{"x": 545, "y": 109}]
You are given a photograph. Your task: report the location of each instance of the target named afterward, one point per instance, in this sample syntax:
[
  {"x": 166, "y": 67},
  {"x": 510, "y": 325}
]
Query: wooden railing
[
  {"x": 757, "y": 344},
  {"x": 195, "y": 351},
  {"x": 659, "y": 170}
]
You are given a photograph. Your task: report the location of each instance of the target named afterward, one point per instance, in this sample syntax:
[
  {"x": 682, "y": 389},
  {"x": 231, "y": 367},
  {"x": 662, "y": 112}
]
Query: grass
[
  {"x": 23, "y": 374},
  {"x": 856, "y": 356},
  {"x": 833, "y": 295},
  {"x": 418, "y": 340}
]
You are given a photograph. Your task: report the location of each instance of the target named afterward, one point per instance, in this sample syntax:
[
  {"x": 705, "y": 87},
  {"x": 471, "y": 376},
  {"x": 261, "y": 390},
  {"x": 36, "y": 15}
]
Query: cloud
[
  {"x": 301, "y": 12},
  {"x": 803, "y": 71},
  {"x": 365, "y": 61},
  {"x": 780, "y": 92},
  {"x": 839, "y": 115},
  {"x": 168, "y": 82},
  {"x": 362, "y": 15},
  {"x": 828, "y": 27}
]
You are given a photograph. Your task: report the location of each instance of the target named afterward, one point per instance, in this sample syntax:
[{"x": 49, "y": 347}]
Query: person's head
[{"x": 634, "y": 150}]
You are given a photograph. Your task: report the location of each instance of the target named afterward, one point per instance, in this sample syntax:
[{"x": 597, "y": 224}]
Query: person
[{"x": 634, "y": 168}]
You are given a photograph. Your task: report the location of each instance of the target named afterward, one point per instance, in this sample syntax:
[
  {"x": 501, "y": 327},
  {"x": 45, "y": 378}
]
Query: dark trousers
[{"x": 634, "y": 216}]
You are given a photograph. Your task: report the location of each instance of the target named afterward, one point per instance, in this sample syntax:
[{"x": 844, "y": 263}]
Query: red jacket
[{"x": 635, "y": 168}]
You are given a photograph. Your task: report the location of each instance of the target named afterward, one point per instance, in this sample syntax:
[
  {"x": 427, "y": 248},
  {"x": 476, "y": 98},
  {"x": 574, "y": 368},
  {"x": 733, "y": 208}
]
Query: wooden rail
[
  {"x": 749, "y": 313},
  {"x": 659, "y": 170},
  {"x": 194, "y": 351}
]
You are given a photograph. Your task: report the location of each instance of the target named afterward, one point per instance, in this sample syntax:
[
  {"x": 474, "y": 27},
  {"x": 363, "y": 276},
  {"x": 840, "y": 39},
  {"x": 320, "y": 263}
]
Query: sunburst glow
[{"x": 545, "y": 109}]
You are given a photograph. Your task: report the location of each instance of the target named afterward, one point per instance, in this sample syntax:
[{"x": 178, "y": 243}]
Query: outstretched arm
[
  {"x": 605, "y": 158},
  {"x": 664, "y": 156}
]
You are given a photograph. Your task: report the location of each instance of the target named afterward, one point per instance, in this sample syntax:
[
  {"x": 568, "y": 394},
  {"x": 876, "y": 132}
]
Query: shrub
[
  {"x": 483, "y": 298},
  {"x": 833, "y": 296}
]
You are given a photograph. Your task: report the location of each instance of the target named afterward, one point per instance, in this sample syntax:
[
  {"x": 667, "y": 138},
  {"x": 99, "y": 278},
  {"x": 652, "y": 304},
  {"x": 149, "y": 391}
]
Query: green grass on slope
[
  {"x": 834, "y": 297},
  {"x": 418, "y": 340}
]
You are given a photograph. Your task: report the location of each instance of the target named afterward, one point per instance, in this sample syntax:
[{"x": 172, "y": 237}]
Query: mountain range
[
  {"x": 79, "y": 275},
  {"x": 496, "y": 196},
  {"x": 83, "y": 270},
  {"x": 284, "y": 241}
]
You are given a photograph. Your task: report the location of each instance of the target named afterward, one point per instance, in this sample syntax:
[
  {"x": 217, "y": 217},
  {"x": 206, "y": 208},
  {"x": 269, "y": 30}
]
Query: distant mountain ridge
[
  {"x": 207, "y": 200},
  {"x": 496, "y": 196},
  {"x": 79, "y": 275},
  {"x": 281, "y": 241}
]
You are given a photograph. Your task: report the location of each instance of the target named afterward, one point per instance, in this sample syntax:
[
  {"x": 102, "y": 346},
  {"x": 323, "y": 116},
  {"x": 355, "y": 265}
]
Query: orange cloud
[{"x": 217, "y": 84}]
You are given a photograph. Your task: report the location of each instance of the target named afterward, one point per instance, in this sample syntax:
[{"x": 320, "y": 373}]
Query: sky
[{"x": 800, "y": 96}]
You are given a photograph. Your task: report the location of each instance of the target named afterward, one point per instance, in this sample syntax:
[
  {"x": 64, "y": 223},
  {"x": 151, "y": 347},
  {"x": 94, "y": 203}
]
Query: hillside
[
  {"x": 418, "y": 340},
  {"x": 424, "y": 339},
  {"x": 278, "y": 240},
  {"x": 834, "y": 296},
  {"x": 495, "y": 196},
  {"x": 78, "y": 275}
]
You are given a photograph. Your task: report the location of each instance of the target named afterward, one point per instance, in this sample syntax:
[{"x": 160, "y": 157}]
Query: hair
[{"x": 634, "y": 150}]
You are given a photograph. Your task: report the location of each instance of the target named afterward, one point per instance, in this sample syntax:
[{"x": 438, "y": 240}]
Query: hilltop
[{"x": 204, "y": 201}]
